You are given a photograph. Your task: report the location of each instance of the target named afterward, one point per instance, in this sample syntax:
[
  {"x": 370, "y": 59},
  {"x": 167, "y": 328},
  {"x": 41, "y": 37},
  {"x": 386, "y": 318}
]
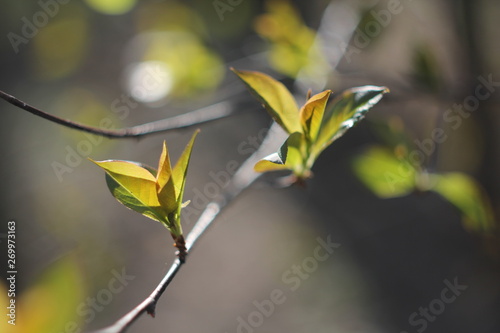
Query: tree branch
[
  {"x": 242, "y": 179},
  {"x": 245, "y": 175},
  {"x": 193, "y": 118}
]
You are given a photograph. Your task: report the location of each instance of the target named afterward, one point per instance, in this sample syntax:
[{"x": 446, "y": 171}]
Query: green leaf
[
  {"x": 311, "y": 114},
  {"x": 275, "y": 97},
  {"x": 155, "y": 194},
  {"x": 294, "y": 156},
  {"x": 345, "y": 111},
  {"x": 312, "y": 129},
  {"x": 164, "y": 182},
  {"x": 179, "y": 177},
  {"x": 289, "y": 156},
  {"x": 271, "y": 162},
  {"x": 384, "y": 174},
  {"x": 275, "y": 161},
  {"x": 133, "y": 186},
  {"x": 466, "y": 195}
]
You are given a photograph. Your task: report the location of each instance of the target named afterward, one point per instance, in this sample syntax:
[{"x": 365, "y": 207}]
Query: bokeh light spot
[
  {"x": 149, "y": 81},
  {"x": 111, "y": 7}
]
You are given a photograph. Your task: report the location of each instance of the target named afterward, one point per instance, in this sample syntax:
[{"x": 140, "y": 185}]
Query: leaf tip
[
  {"x": 235, "y": 71},
  {"x": 98, "y": 163}
]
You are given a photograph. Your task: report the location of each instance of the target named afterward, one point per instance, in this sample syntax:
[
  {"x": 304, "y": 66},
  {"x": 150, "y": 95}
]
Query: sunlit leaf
[
  {"x": 315, "y": 128},
  {"x": 155, "y": 194},
  {"x": 294, "y": 147},
  {"x": 180, "y": 170},
  {"x": 164, "y": 167},
  {"x": 179, "y": 175},
  {"x": 124, "y": 196},
  {"x": 289, "y": 156},
  {"x": 133, "y": 186},
  {"x": 165, "y": 183},
  {"x": 275, "y": 97},
  {"x": 384, "y": 174},
  {"x": 271, "y": 162},
  {"x": 466, "y": 194},
  {"x": 311, "y": 114},
  {"x": 344, "y": 112}
]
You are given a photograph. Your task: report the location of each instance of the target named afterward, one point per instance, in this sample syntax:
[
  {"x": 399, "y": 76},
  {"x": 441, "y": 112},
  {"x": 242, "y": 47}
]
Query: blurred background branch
[{"x": 185, "y": 120}]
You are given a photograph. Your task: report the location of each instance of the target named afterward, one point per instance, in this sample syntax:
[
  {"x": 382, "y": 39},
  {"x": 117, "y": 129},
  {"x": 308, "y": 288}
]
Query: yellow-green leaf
[
  {"x": 271, "y": 162},
  {"x": 384, "y": 174},
  {"x": 289, "y": 156},
  {"x": 311, "y": 114},
  {"x": 466, "y": 195},
  {"x": 345, "y": 111},
  {"x": 293, "y": 151},
  {"x": 164, "y": 167},
  {"x": 275, "y": 97},
  {"x": 134, "y": 187},
  {"x": 179, "y": 175},
  {"x": 165, "y": 184}
]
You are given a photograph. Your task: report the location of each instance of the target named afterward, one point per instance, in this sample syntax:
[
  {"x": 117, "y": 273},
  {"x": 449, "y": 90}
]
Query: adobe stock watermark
[
  {"x": 373, "y": 28},
  {"x": 31, "y": 26},
  {"x": 420, "y": 319},
  {"x": 453, "y": 117},
  {"x": 223, "y": 6},
  {"x": 88, "y": 308},
  {"x": 292, "y": 279},
  {"x": 200, "y": 198},
  {"x": 121, "y": 107}
]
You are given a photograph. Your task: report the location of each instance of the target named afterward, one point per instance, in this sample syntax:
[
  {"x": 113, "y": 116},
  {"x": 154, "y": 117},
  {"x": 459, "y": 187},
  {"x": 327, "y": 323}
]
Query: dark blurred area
[{"x": 404, "y": 264}]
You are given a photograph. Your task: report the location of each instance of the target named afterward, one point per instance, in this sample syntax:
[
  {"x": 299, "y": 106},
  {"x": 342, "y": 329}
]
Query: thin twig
[
  {"x": 242, "y": 179},
  {"x": 193, "y": 118}
]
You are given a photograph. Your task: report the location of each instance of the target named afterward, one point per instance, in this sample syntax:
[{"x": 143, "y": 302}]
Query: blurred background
[{"x": 83, "y": 260}]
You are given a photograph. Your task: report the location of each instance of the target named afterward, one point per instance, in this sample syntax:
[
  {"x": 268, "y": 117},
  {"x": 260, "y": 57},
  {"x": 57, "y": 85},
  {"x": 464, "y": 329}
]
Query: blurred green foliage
[
  {"x": 394, "y": 170},
  {"x": 50, "y": 304},
  {"x": 293, "y": 46},
  {"x": 112, "y": 7}
]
